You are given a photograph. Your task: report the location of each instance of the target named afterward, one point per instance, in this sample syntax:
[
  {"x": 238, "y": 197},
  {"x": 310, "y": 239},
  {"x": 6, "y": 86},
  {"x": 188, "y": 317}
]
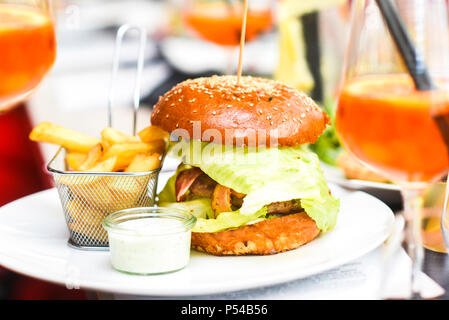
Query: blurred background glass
[
  {"x": 220, "y": 22},
  {"x": 26, "y": 27}
]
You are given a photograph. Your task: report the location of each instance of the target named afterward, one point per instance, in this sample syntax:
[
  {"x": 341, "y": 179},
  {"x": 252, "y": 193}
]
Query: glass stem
[
  {"x": 413, "y": 203},
  {"x": 444, "y": 216}
]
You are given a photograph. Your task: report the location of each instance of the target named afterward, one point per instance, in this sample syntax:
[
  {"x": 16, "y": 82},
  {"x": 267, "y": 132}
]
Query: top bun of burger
[{"x": 255, "y": 106}]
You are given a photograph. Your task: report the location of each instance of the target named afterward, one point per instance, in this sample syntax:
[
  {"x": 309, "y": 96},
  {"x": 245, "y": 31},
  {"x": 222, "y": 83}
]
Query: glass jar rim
[{"x": 113, "y": 221}]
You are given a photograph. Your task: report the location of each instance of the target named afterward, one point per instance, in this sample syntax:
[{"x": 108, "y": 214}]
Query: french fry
[
  {"x": 79, "y": 212},
  {"x": 113, "y": 136},
  {"x": 107, "y": 193},
  {"x": 93, "y": 157},
  {"x": 153, "y": 133},
  {"x": 70, "y": 139},
  {"x": 157, "y": 146},
  {"x": 74, "y": 182},
  {"x": 111, "y": 193},
  {"x": 144, "y": 162},
  {"x": 107, "y": 165},
  {"x": 106, "y": 145},
  {"x": 123, "y": 195},
  {"x": 74, "y": 160},
  {"x": 125, "y": 153},
  {"x": 82, "y": 228},
  {"x": 85, "y": 186},
  {"x": 91, "y": 188}
]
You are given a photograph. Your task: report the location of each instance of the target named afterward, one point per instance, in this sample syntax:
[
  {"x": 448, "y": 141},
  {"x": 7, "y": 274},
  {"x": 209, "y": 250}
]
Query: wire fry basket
[{"x": 88, "y": 197}]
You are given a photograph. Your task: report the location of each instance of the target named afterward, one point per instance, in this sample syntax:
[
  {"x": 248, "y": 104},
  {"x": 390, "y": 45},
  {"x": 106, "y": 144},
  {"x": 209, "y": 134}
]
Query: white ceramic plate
[
  {"x": 335, "y": 175},
  {"x": 33, "y": 241},
  {"x": 387, "y": 192}
]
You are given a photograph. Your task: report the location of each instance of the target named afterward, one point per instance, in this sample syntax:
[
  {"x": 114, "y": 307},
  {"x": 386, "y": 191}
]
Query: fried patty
[
  {"x": 203, "y": 186},
  {"x": 224, "y": 199},
  {"x": 284, "y": 207},
  {"x": 265, "y": 237}
]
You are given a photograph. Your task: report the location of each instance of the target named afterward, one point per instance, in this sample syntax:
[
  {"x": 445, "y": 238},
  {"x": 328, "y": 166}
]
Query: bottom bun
[{"x": 266, "y": 237}]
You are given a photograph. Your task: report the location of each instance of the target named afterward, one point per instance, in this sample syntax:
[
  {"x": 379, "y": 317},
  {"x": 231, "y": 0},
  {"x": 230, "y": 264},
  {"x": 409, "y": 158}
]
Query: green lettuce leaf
[
  {"x": 168, "y": 193},
  {"x": 206, "y": 222},
  {"x": 265, "y": 175},
  {"x": 200, "y": 208}
]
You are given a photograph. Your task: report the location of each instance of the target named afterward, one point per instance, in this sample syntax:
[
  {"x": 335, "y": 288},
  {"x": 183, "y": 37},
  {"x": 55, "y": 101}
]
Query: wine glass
[
  {"x": 220, "y": 21},
  {"x": 386, "y": 123},
  {"x": 27, "y": 48},
  {"x": 444, "y": 223}
]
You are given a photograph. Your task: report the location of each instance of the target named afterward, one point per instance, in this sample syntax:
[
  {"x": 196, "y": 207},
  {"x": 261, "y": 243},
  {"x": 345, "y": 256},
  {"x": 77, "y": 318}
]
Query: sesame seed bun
[
  {"x": 265, "y": 237},
  {"x": 256, "y": 111}
]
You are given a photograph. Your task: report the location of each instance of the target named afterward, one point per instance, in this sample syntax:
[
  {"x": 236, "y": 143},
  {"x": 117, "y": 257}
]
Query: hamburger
[{"x": 246, "y": 171}]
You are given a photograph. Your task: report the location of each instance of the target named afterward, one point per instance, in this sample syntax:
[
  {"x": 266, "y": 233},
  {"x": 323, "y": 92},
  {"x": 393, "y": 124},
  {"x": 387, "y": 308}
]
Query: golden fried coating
[
  {"x": 266, "y": 237},
  {"x": 353, "y": 169}
]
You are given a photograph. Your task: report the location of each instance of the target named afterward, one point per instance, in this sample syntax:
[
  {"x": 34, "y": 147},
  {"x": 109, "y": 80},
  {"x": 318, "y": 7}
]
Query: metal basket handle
[{"x": 115, "y": 69}]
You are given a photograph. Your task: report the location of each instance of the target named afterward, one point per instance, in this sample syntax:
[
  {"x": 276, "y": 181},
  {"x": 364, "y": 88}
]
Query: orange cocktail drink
[
  {"x": 395, "y": 129},
  {"x": 221, "y": 23},
  {"x": 27, "y": 51}
]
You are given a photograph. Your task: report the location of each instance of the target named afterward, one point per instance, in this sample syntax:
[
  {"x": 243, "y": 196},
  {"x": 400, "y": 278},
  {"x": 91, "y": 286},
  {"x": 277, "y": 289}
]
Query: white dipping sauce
[{"x": 155, "y": 245}]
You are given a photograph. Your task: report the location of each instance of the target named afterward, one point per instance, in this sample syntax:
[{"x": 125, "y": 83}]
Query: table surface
[{"x": 436, "y": 266}]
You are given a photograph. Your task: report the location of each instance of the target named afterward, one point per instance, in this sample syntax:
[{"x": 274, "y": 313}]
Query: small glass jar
[{"x": 149, "y": 240}]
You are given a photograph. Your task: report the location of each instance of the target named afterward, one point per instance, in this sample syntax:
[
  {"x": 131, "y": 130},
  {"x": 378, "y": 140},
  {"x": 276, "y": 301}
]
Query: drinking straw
[{"x": 412, "y": 59}]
